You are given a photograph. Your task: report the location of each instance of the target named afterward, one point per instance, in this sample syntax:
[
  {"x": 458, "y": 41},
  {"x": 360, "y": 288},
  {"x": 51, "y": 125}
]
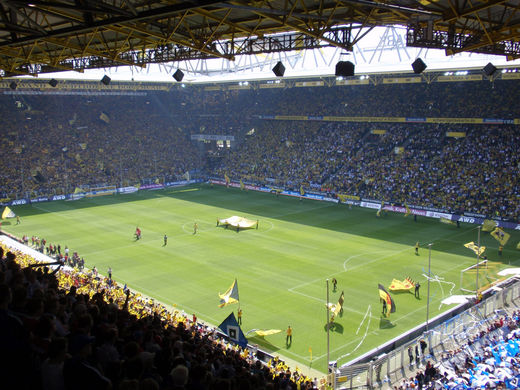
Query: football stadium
[{"x": 326, "y": 231}]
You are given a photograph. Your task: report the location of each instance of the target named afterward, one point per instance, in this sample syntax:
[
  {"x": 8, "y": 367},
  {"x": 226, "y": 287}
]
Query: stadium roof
[{"x": 41, "y": 37}]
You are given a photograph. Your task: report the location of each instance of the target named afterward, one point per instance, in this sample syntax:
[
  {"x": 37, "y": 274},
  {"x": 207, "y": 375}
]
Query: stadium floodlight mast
[{"x": 328, "y": 330}]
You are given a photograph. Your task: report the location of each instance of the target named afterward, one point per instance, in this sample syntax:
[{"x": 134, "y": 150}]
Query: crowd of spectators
[
  {"x": 486, "y": 359},
  {"x": 61, "y": 142},
  {"x": 67, "y": 330},
  {"x": 475, "y": 173}
]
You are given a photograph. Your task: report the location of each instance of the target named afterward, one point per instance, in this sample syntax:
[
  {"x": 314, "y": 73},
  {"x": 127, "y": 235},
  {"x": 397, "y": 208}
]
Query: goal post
[{"x": 468, "y": 276}]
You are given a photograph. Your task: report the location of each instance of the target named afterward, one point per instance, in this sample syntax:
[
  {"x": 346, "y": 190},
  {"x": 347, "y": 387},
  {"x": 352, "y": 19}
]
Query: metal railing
[{"x": 449, "y": 335}]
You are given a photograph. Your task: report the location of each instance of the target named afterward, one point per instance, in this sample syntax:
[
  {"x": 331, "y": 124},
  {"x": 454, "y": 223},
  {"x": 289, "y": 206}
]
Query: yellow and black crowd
[
  {"x": 59, "y": 142},
  {"x": 72, "y": 330}
]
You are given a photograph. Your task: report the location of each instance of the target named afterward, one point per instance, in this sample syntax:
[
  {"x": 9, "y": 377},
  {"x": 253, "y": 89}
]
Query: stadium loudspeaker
[
  {"x": 279, "y": 69},
  {"x": 418, "y": 66},
  {"x": 345, "y": 69},
  {"x": 106, "y": 80},
  {"x": 53, "y": 83},
  {"x": 489, "y": 69},
  {"x": 13, "y": 85},
  {"x": 178, "y": 75}
]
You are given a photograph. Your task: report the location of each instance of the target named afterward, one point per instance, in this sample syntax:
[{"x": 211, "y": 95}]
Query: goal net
[{"x": 477, "y": 273}]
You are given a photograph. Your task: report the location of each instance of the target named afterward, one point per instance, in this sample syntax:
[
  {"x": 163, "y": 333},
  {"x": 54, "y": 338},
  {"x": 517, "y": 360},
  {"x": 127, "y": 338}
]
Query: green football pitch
[{"x": 281, "y": 267}]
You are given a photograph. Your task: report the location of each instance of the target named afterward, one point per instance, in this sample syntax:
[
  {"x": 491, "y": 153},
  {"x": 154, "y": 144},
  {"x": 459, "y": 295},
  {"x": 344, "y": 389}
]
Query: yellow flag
[
  {"x": 230, "y": 296},
  {"x": 501, "y": 236},
  {"x": 488, "y": 225},
  {"x": 471, "y": 245},
  {"x": 8, "y": 213},
  {"x": 104, "y": 117},
  {"x": 266, "y": 332},
  {"x": 342, "y": 197},
  {"x": 398, "y": 285},
  {"x": 336, "y": 308},
  {"x": 447, "y": 221},
  {"x": 310, "y": 351},
  {"x": 339, "y": 305}
]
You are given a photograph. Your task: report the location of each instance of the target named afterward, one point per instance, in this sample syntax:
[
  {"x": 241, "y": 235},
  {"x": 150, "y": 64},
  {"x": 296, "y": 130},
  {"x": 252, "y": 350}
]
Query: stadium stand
[
  {"x": 119, "y": 339},
  {"x": 61, "y": 142},
  {"x": 488, "y": 359}
]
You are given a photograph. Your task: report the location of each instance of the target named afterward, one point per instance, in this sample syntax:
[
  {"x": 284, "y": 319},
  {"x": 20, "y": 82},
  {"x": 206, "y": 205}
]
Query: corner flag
[
  {"x": 231, "y": 328},
  {"x": 8, "y": 213},
  {"x": 230, "y": 296}
]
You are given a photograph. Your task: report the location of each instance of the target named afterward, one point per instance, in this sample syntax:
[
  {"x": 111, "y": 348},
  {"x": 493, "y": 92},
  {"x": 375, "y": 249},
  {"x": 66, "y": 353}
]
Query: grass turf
[{"x": 281, "y": 267}]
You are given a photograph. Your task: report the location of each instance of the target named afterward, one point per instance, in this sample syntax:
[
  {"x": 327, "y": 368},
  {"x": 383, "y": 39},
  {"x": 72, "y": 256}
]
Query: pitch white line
[
  {"x": 337, "y": 273},
  {"x": 292, "y": 289},
  {"x": 369, "y": 315},
  {"x": 367, "y": 253},
  {"x": 270, "y": 228}
]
